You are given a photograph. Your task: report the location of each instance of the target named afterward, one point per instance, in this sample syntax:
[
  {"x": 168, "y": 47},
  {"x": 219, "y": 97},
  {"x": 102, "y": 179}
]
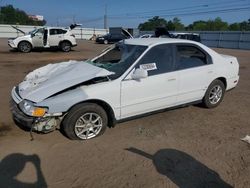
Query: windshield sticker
[{"x": 148, "y": 66}]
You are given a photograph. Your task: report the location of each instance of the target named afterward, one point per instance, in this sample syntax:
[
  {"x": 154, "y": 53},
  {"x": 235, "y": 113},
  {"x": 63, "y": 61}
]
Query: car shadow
[
  {"x": 41, "y": 50},
  {"x": 183, "y": 170},
  {"x": 13, "y": 164}
]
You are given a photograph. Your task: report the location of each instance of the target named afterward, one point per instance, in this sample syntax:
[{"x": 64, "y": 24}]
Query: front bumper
[
  {"x": 11, "y": 44},
  {"x": 22, "y": 120}
]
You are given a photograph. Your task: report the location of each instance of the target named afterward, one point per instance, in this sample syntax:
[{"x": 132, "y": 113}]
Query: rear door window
[
  {"x": 57, "y": 31},
  {"x": 188, "y": 56}
]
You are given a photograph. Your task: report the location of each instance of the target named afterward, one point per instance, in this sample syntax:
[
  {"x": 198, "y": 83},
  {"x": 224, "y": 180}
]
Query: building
[{"x": 36, "y": 17}]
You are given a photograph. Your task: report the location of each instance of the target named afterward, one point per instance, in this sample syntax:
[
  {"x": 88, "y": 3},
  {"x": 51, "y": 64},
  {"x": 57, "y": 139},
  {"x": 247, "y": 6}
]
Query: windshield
[
  {"x": 40, "y": 30},
  {"x": 119, "y": 58}
]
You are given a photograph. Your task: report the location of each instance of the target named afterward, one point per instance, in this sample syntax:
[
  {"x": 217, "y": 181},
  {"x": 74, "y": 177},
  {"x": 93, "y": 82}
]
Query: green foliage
[
  {"x": 151, "y": 24},
  {"x": 211, "y": 25},
  {"x": 11, "y": 15},
  {"x": 156, "y": 21},
  {"x": 178, "y": 26}
]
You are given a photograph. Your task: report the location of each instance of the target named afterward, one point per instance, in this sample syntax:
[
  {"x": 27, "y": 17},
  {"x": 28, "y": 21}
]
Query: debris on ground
[{"x": 246, "y": 139}]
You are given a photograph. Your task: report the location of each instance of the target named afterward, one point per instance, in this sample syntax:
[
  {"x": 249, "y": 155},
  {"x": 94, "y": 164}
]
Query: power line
[
  {"x": 234, "y": 2},
  {"x": 188, "y": 13}
]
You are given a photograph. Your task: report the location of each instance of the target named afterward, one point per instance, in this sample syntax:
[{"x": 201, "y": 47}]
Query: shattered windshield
[{"x": 119, "y": 58}]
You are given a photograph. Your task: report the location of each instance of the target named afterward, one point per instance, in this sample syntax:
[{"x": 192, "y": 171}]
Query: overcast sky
[{"x": 130, "y": 13}]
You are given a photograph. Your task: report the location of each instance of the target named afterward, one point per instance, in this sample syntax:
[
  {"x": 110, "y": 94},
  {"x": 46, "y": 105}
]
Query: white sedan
[{"x": 130, "y": 78}]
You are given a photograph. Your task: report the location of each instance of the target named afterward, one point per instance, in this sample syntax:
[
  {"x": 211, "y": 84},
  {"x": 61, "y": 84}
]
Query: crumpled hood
[{"x": 53, "y": 78}]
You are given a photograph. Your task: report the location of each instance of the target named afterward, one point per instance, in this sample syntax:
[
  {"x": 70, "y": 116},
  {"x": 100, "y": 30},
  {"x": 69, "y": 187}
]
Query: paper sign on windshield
[{"x": 148, "y": 66}]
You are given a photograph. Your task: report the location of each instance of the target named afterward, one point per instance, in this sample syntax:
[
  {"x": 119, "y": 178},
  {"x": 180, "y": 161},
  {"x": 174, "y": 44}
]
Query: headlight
[
  {"x": 28, "y": 108},
  {"x": 101, "y": 38}
]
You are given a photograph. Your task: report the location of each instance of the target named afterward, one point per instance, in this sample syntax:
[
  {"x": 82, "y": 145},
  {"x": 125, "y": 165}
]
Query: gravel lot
[{"x": 186, "y": 147}]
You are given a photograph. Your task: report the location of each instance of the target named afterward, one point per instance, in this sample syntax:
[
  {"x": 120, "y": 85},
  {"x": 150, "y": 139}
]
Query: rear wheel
[
  {"x": 24, "y": 47},
  {"x": 85, "y": 121},
  {"x": 214, "y": 94},
  {"x": 65, "y": 46}
]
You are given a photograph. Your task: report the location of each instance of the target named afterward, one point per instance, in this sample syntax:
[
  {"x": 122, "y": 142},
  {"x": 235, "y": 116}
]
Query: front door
[
  {"x": 37, "y": 39},
  {"x": 155, "y": 92}
]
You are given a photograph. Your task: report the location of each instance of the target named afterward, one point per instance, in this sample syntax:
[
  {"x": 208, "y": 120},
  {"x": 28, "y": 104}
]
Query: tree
[
  {"x": 234, "y": 27},
  {"x": 178, "y": 26},
  {"x": 153, "y": 23},
  {"x": 11, "y": 15},
  {"x": 211, "y": 25}
]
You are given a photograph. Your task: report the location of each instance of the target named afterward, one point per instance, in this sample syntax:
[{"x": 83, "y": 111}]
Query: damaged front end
[
  {"x": 35, "y": 104},
  {"x": 32, "y": 118}
]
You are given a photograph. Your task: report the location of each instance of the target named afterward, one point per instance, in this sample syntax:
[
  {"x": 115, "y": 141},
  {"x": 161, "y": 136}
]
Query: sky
[{"x": 131, "y": 13}]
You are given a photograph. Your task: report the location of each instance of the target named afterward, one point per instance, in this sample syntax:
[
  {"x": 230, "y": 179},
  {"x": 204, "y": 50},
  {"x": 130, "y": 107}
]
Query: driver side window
[{"x": 158, "y": 60}]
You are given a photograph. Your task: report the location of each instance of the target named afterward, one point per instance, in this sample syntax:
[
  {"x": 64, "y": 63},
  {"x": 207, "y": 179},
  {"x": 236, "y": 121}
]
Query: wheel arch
[
  {"x": 108, "y": 109},
  {"x": 25, "y": 41},
  {"x": 65, "y": 40},
  {"x": 223, "y": 80}
]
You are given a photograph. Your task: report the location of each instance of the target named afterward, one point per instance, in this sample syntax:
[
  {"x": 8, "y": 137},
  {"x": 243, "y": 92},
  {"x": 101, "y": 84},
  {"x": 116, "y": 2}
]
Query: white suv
[{"x": 45, "y": 37}]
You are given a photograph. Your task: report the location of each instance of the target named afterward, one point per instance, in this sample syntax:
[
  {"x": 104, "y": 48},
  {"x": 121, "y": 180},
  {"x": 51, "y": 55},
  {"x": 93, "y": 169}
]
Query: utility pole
[
  {"x": 0, "y": 12},
  {"x": 105, "y": 18}
]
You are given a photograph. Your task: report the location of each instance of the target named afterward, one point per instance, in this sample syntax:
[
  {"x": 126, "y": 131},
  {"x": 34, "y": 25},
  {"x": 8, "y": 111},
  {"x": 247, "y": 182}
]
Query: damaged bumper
[
  {"x": 22, "y": 120},
  {"x": 11, "y": 44},
  {"x": 25, "y": 122}
]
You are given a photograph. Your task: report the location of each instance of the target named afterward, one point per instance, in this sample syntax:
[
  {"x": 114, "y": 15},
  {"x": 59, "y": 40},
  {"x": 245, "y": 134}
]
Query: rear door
[
  {"x": 155, "y": 92},
  {"x": 195, "y": 70},
  {"x": 55, "y": 36}
]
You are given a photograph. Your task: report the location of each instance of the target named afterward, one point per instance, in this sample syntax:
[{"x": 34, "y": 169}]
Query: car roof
[
  {"x": 156, "y": 41},
  {"x": 56, "y": 28},
  {"x": 175, "y": 33}
]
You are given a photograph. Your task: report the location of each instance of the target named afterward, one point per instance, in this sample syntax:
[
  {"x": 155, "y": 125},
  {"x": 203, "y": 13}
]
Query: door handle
[{"x": 171, "y": 79}]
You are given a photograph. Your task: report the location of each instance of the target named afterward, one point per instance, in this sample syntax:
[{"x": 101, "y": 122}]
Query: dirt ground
[{"x": 187, "y": 147}]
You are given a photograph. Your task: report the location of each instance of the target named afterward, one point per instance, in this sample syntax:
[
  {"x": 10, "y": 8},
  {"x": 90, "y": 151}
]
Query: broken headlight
[{"x": 28, "y": 108}]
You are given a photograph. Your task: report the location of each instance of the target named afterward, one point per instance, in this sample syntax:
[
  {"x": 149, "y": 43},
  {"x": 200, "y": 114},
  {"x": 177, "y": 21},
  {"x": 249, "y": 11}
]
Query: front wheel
[
  {"x": 214, "y": 94},
  {"x": 24, "y": 47},
  {"x": 85, "y": 121}
]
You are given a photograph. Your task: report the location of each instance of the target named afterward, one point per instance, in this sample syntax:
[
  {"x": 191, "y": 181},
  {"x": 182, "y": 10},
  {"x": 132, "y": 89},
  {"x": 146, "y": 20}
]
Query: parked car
[
  {"x": 45, "y": 37},
  {"x": 115, "y": 35},
  {"x": 189, "y": 36},
  {"x": 147, "y": 36},
  {"x": 129, "y": 79}
]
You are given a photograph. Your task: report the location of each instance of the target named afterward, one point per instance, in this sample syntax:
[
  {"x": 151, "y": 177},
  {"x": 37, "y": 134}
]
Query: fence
[
  {"x": 221, "y": 39},
  {"x": 226, "y": 39},
  {"x": 218, "y": 39},
  {"x": 6, "y": 31}
]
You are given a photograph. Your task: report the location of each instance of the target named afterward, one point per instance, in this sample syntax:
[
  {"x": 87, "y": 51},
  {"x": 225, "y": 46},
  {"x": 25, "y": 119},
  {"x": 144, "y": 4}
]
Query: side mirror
[{"x": 139, "y": 74}]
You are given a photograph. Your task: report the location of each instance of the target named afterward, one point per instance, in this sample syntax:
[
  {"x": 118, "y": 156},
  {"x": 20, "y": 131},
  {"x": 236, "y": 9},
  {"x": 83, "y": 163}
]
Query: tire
[
  {"x": 65, "y": 46},
  {"x": 105, "y": 41},
  {"x": 24, "y": 47},
  {"x": 214, "y": 94},
  {"x": 77, "y": 125}
]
